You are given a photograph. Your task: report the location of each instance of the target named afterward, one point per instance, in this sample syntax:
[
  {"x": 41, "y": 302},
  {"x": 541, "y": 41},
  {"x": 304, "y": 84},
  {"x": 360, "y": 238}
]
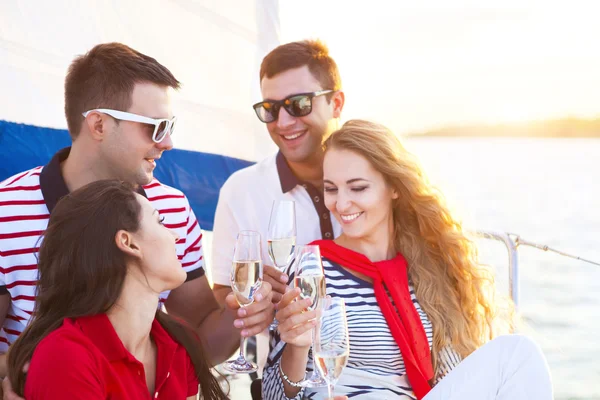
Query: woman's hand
[{"x": 295, "y": 322}]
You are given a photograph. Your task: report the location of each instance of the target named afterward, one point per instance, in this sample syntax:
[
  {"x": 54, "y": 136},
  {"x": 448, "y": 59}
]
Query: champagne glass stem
[
  {"x": 315, "y": 376},
  {"x": 241, "y": 358},
  {"x": 330, "y": 387}
]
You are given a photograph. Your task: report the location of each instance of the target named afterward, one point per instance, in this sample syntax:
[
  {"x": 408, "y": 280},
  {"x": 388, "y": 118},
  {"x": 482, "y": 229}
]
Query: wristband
[{"x": 285, "y": 378}]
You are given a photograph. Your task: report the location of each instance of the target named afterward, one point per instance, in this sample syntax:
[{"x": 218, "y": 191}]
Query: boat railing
[{"x": 512, "y": 242}]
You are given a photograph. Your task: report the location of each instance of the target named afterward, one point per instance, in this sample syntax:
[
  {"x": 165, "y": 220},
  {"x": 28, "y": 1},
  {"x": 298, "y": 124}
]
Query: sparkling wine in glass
[
  {"x": 281, "y": 251},
  {"x": 310, "y": 279},
  {"x": 281, "y": 239},
  {"x": 332, "y": 342},
  {"x": 311, "y": 287},
  {"x": 246, "y": 279}
]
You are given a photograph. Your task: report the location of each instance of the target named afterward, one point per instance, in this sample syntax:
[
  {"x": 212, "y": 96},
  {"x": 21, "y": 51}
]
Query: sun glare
[{"x": 425, "y": 66}]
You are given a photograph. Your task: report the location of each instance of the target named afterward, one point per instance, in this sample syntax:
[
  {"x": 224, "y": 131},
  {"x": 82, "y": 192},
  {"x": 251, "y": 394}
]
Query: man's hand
[
  {"x": 278, "y": 281},
  {"x": 256, "y": 317}
]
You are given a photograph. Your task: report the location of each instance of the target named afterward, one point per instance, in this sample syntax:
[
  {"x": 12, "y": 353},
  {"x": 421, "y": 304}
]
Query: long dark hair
[{"x": 82, "y": 272}]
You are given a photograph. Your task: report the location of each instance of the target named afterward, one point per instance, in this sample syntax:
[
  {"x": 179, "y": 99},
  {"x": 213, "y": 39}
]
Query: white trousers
[{"x": 510, "y": 367}]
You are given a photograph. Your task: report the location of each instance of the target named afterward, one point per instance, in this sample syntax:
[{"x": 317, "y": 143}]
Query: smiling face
[
  {"x": 301, "y": 138},
  {"x": 357, "y": 195},
  {"x": 128, "y": 151},
  {"x": 157, "y": 252}
]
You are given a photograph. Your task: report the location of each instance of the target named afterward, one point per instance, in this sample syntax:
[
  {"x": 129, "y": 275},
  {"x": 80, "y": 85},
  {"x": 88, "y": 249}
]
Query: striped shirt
[
  {"x": 375, "y": 368},
  {"x": 26, "y": 200}
]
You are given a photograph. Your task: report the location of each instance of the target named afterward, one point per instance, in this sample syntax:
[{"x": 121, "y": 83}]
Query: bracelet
[{"x": 285, "y": 377}]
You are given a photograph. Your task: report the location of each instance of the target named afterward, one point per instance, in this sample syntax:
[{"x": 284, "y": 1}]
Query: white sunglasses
[{"x": 161, "y": 126}]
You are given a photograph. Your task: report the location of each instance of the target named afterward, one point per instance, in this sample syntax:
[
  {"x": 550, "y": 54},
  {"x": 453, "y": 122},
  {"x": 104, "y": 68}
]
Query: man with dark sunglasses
[
  {"x": 302, "y": 103},
  {"x": 297, "y": 105}
]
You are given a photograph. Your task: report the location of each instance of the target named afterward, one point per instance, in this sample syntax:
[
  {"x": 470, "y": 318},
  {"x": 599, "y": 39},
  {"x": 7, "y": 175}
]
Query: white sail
[{"x": 213, "y": 47}]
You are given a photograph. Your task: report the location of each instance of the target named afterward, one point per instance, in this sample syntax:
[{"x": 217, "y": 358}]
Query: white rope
[{"x": 520, "y": 241}]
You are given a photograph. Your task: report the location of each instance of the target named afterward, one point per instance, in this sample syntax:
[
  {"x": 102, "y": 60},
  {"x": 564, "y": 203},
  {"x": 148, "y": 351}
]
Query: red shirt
[{"x": 85, "y": 359}]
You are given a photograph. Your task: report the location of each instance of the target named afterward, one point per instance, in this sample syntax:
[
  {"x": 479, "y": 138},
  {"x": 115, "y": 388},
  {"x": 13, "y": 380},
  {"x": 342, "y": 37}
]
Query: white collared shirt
[{"x": 245, "y": 203}]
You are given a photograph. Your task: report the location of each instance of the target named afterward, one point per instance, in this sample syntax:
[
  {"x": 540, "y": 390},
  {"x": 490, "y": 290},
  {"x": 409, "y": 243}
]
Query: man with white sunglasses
[
  {"x": 162, "y": 127},
  {"x": 119, "y": 117}
]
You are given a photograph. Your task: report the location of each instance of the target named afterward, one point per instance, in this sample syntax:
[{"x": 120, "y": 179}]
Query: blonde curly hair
[{"x": 454, "y": 289}]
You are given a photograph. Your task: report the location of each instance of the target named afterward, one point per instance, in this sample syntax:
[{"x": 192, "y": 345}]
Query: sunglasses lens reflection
[
  {"x": 267, "y": 112},
  {"x": 299, "y": 106}
]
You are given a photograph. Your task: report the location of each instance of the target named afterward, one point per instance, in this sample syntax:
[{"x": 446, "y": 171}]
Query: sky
[{"x": 419, "y": 66}]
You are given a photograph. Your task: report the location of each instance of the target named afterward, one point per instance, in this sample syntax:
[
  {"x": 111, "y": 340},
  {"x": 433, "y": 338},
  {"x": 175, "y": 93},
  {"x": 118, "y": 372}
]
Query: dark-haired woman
[{"x": 96, "y": 332}]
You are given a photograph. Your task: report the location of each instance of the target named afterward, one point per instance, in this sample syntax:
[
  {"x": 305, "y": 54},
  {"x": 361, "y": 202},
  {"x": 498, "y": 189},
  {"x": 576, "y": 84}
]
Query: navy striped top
[{"x": 375, "y": 368}]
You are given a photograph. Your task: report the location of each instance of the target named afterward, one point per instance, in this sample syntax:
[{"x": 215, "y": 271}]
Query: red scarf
[{"x": 405, "y": 325}]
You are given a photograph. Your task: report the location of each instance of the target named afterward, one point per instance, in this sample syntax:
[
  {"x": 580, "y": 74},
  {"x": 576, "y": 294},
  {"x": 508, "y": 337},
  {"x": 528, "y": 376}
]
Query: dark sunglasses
[{"x": 297, "y": 105}]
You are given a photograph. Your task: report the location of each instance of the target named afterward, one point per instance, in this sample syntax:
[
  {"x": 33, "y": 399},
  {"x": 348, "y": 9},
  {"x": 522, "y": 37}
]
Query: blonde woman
[{"x": 421, "y": 310}]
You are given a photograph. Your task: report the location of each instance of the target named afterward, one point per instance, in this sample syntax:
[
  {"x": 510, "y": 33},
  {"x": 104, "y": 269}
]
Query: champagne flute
[
  {"x": 332, "y": 342},
  {"x": 281, "y": 239},
  {"x": 309, "y": 277},
  {"x": 246, "y": 279}
]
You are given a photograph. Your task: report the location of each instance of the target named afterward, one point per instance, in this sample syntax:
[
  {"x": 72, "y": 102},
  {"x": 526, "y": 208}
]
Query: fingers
[
  {"x": 231, "y": 301},
  {"x": 263, "y": 292},
  {"x": 295, "y": 323},
  {"x": 289, "y": 336},
  {"x": 275, "y": 274},
  {"x": 295, "y": 314},
  {"x": 290, "y": 296},
  {"x": 291, "y": 303},
  {"x": 9, "y": 394},
  {"x": 256, "y": 323},
  {"x": 276, "y": 297},
  {"x": 262, "y": 301},
  {"x": 278, "y": 281},
  {"x": 257, "y": 316},
  {"x": 6, "y": 387}
]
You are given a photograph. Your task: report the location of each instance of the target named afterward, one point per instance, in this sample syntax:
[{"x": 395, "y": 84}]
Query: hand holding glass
[
  {"x": 282, "y": 236},
  {"x": 309, "y": 277},
  {"x": 246, "y": 279}
]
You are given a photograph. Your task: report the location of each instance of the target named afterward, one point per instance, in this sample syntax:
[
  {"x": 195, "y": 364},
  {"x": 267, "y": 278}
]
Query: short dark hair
[
  {"x": 104, "y": 77},
  {"x": 312, "y": 53}
]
